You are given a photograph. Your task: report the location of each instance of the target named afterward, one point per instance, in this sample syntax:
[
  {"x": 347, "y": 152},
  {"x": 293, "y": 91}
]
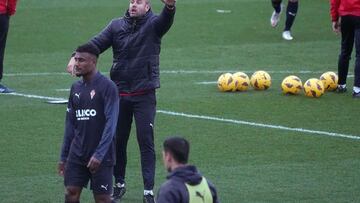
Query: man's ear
[{"x": 168, "y": 157}]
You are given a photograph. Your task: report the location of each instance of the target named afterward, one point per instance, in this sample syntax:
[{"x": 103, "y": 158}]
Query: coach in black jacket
[{"x": 135, "y": 40}]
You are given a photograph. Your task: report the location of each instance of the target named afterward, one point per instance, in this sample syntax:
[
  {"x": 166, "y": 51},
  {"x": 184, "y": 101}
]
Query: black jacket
[
  {"x": 174, "y": 189},
  {"x": 136, "y": 48}
]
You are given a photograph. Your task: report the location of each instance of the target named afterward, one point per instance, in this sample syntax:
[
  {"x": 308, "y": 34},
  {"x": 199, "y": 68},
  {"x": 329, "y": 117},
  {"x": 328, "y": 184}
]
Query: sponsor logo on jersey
[{"x": 85, "y": 114}]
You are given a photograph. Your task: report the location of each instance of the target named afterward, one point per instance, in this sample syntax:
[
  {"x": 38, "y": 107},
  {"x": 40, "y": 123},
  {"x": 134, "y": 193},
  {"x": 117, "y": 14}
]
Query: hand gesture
[
  {"x": 169, "y": 2},
  {"x": 93, "y": 164},
  {"x": 71, "y": 66},
  {"x": 61, "y": 168}
]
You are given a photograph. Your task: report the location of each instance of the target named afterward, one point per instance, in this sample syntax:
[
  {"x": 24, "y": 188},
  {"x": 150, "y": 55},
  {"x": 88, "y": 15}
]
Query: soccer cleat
[
  {"x": 275, "y": 18},
  {"x": 286, "y": 35},
  {"x": 356, "y": 95},
  {"x": 149, "y": 198},
  {"x": 119, "y": 191},
  {"x": 4, "y": 89},
  {"x": 341, "y": 89}
]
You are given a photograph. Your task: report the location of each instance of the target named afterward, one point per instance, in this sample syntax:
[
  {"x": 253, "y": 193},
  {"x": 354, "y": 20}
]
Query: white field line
[
  {"x": 171, "y": 72},
  {"x": 206, "y": 82},
  {"x": 240, "y": 122},
  {"x": 34, "y": 96},
  {"x": 62, "y": 90},
  {"x": 214, "y": 82},
  {"x": 278, "y": 127}
]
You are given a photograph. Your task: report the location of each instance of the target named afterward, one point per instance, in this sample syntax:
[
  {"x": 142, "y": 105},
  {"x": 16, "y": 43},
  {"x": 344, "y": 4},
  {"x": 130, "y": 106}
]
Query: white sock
[
  {"x": 356, "y": 89},
  {"x": 148, "y": 192}
]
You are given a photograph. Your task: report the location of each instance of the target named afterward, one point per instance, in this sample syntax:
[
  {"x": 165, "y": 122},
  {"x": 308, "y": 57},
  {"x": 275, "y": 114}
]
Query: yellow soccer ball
[
  {"x": 226, "y": 83},
  {"x": 330, "y": 80},
  {"x": 260, "y": 80},
  {"x": 313, "y": 87},
  {"x": 291, "y": 85},
  {"x": 242, "y": 81}
]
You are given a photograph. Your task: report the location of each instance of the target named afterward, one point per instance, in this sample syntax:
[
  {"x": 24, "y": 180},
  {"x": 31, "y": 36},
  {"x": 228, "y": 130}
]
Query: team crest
[{"x": 92, "y": 94}]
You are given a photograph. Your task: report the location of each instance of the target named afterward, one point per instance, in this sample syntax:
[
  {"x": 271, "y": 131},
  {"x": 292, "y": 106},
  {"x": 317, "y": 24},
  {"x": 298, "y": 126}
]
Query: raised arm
[
  {"x": 103, "y": 40},
  {"x": 164, "y": 21}
]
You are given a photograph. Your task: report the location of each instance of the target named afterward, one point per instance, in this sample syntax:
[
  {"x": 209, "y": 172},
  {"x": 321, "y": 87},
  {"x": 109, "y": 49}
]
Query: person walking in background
[
  {"x": 345, "y": 15},
  {"x": 7, "y": 9},
  {"x": 184, "y": 183},
  {"x": 88, "y": 150},
  {"x": 291, "y": 12}
]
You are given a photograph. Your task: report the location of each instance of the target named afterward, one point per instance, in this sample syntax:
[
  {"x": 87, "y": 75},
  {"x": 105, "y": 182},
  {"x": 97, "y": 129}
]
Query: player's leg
[
  {"x": 4, "y": 27},
  {"x": 122, "y": 137},
  {"x": 72, "y": 194},
  {"x": 75, "y": 178},
  {"x": 356, "y": 89},
  {"x": 275, "y": 17},
  {"x": 101, "y": 184},
  {"x": 144, "y": 113},
  {"x": 291, "y": 12},
  {"x": 347, "y": 42}
]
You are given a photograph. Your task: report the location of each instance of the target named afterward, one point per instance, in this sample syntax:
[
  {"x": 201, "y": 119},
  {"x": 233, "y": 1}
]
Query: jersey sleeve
[
  {"x": 103, "y": 40},
  {"x": 168, "y": 193},
  {"x": 11, "y": 7},
  {"x": 163, "y": 22},
  {"x": 334, "y": 9},
  {"x": 213, "y": 192},
  {"x": 69, "y": 129},
  {"x": 111, "y": 111}
]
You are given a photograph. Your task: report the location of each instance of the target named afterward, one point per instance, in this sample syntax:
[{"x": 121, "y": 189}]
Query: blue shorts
[{"x": 79, "y": 175}]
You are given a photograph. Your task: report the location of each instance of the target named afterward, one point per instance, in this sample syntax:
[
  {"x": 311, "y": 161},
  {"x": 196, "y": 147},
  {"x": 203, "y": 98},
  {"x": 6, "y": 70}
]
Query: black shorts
[{"x": 79, "y": 175}]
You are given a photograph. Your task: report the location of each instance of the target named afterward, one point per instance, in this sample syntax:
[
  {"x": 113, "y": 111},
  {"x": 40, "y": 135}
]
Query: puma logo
[
  {"x": 198, "y": 194},
  {"x": 293, "y": 14},
  {"x": 77, "y": 95},
  {"x": 104, "y": 186}
]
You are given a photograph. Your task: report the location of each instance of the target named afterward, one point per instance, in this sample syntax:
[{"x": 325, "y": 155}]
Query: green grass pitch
[{"x": 247, "y": 163}]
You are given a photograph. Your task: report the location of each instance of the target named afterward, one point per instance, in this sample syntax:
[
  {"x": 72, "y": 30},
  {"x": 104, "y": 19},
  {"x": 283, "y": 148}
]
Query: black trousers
[
  {"x": 4, "y": 27},
  {"x": 350, "y": 33},
  {"x": 143, "y": 109}
]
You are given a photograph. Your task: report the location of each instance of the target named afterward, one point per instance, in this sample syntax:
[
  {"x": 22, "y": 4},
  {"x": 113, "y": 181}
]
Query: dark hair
[
  {"x": 88, "y": 48},
  {"x": 178, "y": 147}
]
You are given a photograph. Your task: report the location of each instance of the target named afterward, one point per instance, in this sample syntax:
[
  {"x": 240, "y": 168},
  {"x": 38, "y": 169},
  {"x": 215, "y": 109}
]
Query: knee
[
  {"x": 72, "y": 195},
  {"x": 345, "y": 56}
]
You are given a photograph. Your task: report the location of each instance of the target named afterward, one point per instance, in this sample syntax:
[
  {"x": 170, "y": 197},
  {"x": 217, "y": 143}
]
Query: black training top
[{"x": 91, "y": 119}]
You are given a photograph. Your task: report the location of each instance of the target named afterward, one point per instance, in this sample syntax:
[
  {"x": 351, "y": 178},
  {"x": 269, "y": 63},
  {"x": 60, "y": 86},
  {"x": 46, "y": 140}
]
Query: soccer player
[
  {"x": 135, "y": 39},
  {"x": 88, "y": 150},
  {"x": 345, "y": 15},
  {"x": 185, "y": 184},
  {"x": 291, "y": 11},
  {"x": 7, "y": 9}
]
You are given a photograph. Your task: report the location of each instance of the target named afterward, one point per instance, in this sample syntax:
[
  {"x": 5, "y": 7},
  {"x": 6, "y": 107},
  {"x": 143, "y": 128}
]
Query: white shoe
[
  {"x": 286, "y": 35},
  {"x": 275, "y": 18}
]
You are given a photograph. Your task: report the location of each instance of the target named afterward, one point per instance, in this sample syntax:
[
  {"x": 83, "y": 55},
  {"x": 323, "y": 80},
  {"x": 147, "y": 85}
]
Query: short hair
[
  {"x": 88, "y": 48},
  {"x": 179, "y": 147}
]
